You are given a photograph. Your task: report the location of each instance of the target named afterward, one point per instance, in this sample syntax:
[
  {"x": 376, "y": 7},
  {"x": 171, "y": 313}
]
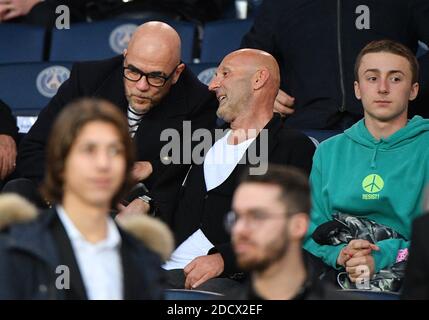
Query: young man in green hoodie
[{"x": 375, "y": 170}]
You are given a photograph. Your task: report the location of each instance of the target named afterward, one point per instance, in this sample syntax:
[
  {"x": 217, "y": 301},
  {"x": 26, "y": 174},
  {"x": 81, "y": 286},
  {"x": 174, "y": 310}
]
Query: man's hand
[
  {"x": 7, "y": 155},
  {"x": 354, "y": 249},
  {"x": 202, "y": 269},
  {"x": 284, "y": 103},
  {"x": 353, "y": 263},
  {"x": 142, "y": 170},
  {"x": 137, "y": 206},
  {"x": 10, "y": 9}
]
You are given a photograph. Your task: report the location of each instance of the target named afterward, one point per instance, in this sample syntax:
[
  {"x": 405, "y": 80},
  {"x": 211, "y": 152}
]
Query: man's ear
[
  {"x": 125, "y": 53},
  {"x": 298, "y": 225},
  {"x": 260, "y": 77},
  {"x": 357, "y": 90},
  {"x": 178, "y": 72},
  {"x": 414, "y": 91}
]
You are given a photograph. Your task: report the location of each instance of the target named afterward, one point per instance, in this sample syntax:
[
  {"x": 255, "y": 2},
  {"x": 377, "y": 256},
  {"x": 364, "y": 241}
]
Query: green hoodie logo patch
[{"x": 372, "y": 184}]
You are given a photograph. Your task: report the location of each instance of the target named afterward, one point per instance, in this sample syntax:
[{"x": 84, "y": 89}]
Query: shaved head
[
  {"x": 156, "y": 39},
  {"x": 255, "y": 59}
]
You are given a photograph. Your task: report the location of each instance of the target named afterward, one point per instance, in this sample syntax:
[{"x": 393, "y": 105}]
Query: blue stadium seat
[
  {"x": 28, "y": 87},
  {"x": 21, "y": 43},
  {"x": 187, "y": 32},
  {"x": 91, "y": 41},
  {"x": 104, "y": 39},
  {"x": 184, "y": 294},
  {"x": 317, "y": 136},
  {"x": 373, "y": 295},
  {"x": 221, "y": 38},
  {"x": 204, "y": 71}
]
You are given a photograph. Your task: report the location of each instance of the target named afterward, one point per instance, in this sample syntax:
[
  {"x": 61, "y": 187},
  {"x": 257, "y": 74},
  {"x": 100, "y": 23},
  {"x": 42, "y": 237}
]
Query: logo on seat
[
  {"x": 120, "y": 37},
  {"x": 50, "y": 79},
  {"x": 206, "y": 75}
]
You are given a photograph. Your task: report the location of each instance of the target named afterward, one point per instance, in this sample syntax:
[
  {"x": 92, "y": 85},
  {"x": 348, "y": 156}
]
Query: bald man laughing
[{"x": 246, "y": 84}]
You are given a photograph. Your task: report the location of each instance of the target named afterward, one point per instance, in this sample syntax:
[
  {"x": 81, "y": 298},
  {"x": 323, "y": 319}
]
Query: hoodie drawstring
[{"x": 374, "y": 156}]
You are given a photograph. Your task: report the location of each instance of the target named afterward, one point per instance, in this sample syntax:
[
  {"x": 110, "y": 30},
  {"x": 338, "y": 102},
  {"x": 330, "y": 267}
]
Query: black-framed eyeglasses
[{"x": 155, "y": 79}]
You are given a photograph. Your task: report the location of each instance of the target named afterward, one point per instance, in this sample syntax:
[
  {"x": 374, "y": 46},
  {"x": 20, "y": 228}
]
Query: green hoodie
[{"x": 382, "y": 180}]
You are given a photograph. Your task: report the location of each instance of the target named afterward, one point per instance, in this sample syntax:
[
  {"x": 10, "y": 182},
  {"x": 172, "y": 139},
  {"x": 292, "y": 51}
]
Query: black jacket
[
  {"x": 196, "y": 208},
  {"x": 7, "y": 122},
  {"x": 316, "y": 43},
  {"x": 188, "y": 99},
  {"x": 416, "y": 283},
  {"x": 31, "y": 252},
  {"x": 312, "y": 289}
]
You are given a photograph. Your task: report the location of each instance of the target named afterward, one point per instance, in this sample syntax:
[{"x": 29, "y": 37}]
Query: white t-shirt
[
  {"x": 196, "y": 245},
  {"x": 221, "y": 160}
]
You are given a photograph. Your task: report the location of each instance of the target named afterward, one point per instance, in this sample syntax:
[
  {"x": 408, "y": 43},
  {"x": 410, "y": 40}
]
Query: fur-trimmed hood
[
  {"x": 154, "y": 234},
  {"x": 15, "y": 209},
  {"x": 151, "y": 231}
]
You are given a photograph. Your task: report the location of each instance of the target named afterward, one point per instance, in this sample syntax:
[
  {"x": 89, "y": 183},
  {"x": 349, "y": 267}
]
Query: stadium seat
[
  {"x": 221, "y": 38},
  {"x": 91, "y": 41},
  {"x": 187, "y": 32},
  {"x": 184, "y": 294},
  {"x": 21, "y": 43},
  {"x": 317, "y": 136},
  {"x": 104, "y": 39},
  {"x": 204, "y": 71},
  {"x": 28, "y": 87},
  {"x": 373, "y": 295}
]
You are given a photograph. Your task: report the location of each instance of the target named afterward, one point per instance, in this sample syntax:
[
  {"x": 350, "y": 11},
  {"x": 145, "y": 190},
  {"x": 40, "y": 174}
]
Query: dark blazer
[
  {"x": 31, "y": 252},
  {"x": 196, "y": 208},
  {"x": 7, "y": 122},
  {"x": 188, "y": 99},
  {"x": 416, "y": 283}
]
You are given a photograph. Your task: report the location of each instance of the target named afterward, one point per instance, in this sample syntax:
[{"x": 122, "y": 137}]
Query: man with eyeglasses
[
  {"x": 149, "y": 83},
  {"x": 268, "y": 223}
]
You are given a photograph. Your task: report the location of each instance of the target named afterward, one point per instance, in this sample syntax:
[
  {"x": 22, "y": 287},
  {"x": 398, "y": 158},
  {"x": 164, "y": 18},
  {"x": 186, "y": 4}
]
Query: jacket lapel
[
  {"x": 129, "y": 272},
  {"x": 272, "y": 127},
  {"x": 67, "y": 257}
]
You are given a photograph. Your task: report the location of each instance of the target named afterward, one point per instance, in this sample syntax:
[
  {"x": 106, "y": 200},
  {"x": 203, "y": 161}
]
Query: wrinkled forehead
[
  {"x": 151, "y": 50},
  {"x": 148, "y": 61}
]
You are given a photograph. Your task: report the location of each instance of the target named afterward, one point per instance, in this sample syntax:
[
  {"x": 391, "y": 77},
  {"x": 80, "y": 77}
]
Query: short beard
[
  {"x": 276, "y": 254},
  {"x": 224, "y": 114}
]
